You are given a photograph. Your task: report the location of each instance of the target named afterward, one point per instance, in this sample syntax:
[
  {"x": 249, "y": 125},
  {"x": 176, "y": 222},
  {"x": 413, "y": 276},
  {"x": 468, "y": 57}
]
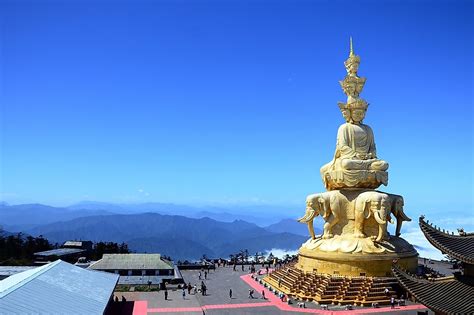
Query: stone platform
[{"x": 348, "y": 256}]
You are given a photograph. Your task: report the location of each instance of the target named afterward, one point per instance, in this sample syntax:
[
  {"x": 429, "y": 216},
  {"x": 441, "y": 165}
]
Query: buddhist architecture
[
  {"x": 447, "y": 295},
  {"x": 349, "y": 261}
]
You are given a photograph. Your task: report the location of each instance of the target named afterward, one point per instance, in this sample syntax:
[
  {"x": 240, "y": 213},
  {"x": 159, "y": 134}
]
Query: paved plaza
[{"x": 217, "y": 301}]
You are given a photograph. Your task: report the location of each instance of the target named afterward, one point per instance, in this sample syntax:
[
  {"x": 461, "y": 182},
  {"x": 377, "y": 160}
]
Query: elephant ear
[{"x": 367, "y": 209}]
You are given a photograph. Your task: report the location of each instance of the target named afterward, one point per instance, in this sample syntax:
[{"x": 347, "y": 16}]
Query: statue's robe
[{"x": 353, "y": 140}]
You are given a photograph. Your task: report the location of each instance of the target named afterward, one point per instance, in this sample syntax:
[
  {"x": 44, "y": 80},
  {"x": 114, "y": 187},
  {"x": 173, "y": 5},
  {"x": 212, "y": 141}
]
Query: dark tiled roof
[
  {"x": 453, "y": 296},
  {"x": 460, "y": 247}
]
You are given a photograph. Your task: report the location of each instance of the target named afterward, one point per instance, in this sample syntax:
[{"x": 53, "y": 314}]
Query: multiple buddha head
[{"x": 354, "y": 110}]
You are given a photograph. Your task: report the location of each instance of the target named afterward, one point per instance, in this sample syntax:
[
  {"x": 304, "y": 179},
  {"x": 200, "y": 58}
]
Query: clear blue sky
[{"x": 230, "y": 101}]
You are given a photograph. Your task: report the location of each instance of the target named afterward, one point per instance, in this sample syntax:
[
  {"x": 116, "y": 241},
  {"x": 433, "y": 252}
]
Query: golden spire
[{"x": 352, "y": 50}]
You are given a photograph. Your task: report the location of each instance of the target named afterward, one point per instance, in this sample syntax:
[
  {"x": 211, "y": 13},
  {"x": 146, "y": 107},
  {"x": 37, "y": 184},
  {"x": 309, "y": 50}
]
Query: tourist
[
  {"x": 184, "y": 294},
  {"x": 243, "y": 267},
  {"x": 392, "y": 302},
  {"x": 251, "y": 294},
  {"x": 282, "y": 297},
  {"x": 279, "y": 282},
  {"x": 189, "y": 288},
  {"x": 205, "y": 274},
  {"x": 166, "y": 295},
  {"x": 387, "y": 291},
  {"x": 263, "y": 294},
  {"x": 199, "y": 275},
  {"x": 230, "y": 293},
  {"x": 116, "y": 299},
  {"x": 267, "y": 269},
  {"x": 195, "y": 289},
  {"x": 235, "y": 266}
]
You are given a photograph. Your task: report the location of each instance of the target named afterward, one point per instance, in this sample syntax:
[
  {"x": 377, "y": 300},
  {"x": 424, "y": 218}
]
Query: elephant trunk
[{"x": 403, "y": 216}]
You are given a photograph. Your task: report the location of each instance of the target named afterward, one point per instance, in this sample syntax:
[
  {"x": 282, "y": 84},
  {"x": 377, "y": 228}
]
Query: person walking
[
  {"x": 184, "y": 294},
  {"x": 392, "y": 302},
  {"x": 250, "y": 291},
  {"x": 205, "y": 274},
  {"x": 263, "y": 294},
  {"x": 199, "y": 275},
  {"x": 166, "y": 295},
  {"x": 230, "y": 293}
]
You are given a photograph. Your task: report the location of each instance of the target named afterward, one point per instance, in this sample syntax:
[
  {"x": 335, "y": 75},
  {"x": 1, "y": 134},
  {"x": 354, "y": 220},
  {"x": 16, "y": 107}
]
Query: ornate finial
[
  {"x": 352, "y": 50},
  {"x": 352, "y": 85}
]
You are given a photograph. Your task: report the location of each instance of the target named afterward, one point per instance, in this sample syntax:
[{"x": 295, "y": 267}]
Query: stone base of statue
[
  {"x": 355, "y": 241},
  {"x": 349, "y": 256}
]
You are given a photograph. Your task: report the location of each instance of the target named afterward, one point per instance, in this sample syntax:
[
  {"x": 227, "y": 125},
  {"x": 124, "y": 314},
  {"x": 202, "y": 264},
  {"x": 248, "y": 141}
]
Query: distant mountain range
[
  {"x": 177, "y": 236},
  {"x": 155, "y": 227},
  {"x": 21, "y": 217},
  {"x": 258, "y": 214}
]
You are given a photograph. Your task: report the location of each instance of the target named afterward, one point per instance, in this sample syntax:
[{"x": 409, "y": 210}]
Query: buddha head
[
  {"x": 352, "y": 63},
  {"x": 357, "y": 115},
  {"x": 358, "y": 108},
  {"x": 346, "y": 112}
]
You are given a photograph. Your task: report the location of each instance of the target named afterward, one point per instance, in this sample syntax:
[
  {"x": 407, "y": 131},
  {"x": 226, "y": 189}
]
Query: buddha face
[
  {"x": 358, "y": 115},
  {"x": 346, "y": 114},
  {"x": 349, "y": 89},
  {"x": 353, "y": 67}
]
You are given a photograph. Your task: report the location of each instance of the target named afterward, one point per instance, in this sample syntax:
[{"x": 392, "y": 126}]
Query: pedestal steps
[{"x": 324, "y": 288}]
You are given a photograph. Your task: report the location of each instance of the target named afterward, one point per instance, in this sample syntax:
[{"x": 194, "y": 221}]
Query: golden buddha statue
[
  {"x": 355, "y": 239},
  {"x": 355, "y": 162}
]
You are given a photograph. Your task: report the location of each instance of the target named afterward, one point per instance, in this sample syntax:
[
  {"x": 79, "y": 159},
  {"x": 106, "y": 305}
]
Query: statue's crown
[
  {"x": 357, "y": 103},
  {"x": 353, "y": 103},
  {"x": 352, "y": 85}
]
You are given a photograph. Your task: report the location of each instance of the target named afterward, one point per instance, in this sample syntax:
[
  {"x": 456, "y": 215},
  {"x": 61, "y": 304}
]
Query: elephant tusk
[{"x": 378, "y": 218}]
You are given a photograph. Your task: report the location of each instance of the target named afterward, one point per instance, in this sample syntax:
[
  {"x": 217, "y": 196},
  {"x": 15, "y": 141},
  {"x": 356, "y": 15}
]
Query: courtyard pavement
[{"x": 217, "y": 300}]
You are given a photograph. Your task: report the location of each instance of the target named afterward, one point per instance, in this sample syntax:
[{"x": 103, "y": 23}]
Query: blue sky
[{"x": 230, "y": 102}]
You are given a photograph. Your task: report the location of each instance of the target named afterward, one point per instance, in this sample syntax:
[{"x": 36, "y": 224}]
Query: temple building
[
  {"x": 137, "y": 269},
  {"x": 70, "y": 252},
  {"x": 447, "y": 295}
]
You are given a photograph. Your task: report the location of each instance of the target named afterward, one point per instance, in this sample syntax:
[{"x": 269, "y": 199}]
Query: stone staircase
[{"x": 331, "y": 289}]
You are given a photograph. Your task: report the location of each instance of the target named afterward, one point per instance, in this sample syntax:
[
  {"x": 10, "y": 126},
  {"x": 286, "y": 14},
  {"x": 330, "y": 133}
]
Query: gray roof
[
  {"x": 60, "y": 252},
  {"x": 73, "y": 243},
  {"x": 11, "y": 270},
  {"x": 57, "y": 288},
  {"x": 131, "y": 261}
]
